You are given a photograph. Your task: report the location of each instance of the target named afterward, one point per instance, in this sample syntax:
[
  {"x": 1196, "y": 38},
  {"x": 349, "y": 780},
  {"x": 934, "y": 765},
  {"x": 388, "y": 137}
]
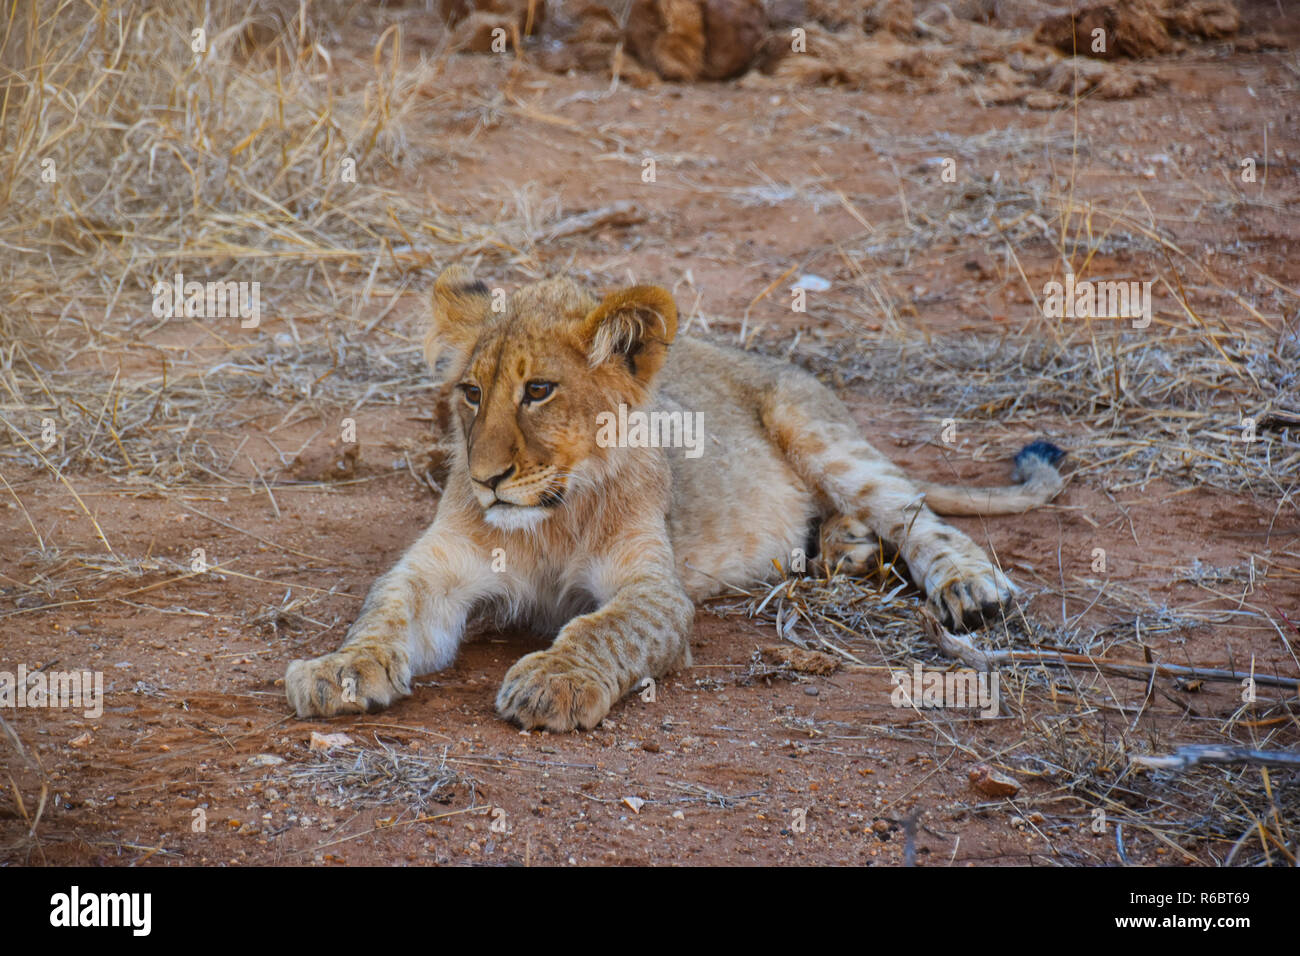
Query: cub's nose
[{"x": 496, "y": 479}]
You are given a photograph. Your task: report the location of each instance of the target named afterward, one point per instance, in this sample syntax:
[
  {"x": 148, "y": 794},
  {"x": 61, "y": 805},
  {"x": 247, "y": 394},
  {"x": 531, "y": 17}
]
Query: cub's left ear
[
  {"x": 635, "y": 326},
  {"x": 461, "y": 307}
]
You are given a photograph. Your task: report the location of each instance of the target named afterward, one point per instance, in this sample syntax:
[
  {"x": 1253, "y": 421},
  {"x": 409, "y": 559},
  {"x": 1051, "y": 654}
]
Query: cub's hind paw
[
  {"x": 849, "y": 546},
  {"x": 967, "y": 596}
]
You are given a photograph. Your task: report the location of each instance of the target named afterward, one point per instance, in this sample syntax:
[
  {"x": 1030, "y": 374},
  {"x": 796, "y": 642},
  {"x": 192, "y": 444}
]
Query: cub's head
[{"x": 531, "y": 375}]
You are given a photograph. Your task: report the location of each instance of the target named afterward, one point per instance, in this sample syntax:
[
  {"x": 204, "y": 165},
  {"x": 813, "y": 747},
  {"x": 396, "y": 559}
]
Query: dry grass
[
  {"x": 380, "y": 775},
  {"x": 1171, "y": 401},
  {"x": 24, "y": 774},
  {"x": 1139, "y": 407},
  {"x": 224, "y": 166},
  {"x": 1076, "y": 728}
]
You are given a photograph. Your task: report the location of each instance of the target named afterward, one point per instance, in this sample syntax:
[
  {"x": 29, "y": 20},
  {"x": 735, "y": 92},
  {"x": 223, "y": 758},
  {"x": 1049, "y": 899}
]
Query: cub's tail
[{"x": 1037, "y": 482}]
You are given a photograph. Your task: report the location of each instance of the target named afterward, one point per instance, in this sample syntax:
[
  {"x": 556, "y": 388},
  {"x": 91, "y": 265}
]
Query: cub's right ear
[{"x": 461, "y": 304}]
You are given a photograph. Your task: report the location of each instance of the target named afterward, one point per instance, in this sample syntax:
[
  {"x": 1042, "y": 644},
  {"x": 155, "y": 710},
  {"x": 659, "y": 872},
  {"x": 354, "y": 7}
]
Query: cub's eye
[
  {"x": 472, "y": 393},
  {"x": 538, "y": 391}
]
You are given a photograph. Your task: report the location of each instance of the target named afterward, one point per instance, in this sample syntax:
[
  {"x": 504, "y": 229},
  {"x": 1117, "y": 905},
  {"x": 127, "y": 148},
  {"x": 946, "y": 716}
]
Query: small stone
[
  {"x": 328, "y": 741},
  {"x": 1044, "y": 100},
  {"x": 992, "y": 783},
  {"x": 634, "y": 803},
  {"x": 264, "y": 760},
  {"x": 811, "y": 282}
]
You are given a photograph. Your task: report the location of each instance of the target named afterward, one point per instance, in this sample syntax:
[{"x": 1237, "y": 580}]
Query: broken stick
[
  {"x": 962, "y": 649},
  {"x": 1193, "y": 754}
]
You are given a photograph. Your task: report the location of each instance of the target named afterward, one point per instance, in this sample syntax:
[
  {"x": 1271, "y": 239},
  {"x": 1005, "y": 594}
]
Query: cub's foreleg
[
  {"x": 411, "y": 623},
  {"x": 642, "y": 629}
]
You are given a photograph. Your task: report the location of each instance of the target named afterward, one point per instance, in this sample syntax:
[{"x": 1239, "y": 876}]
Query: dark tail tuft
[
  {"x": 1035, "y": 454},
  {"x": 1041, "y": 449}
]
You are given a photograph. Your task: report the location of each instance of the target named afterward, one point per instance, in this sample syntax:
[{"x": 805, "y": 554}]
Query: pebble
[{"x": 811, "y": 282}]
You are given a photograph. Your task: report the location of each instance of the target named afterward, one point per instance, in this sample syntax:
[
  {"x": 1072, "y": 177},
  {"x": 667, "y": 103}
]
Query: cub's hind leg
[{"x": 819, "y": 437}]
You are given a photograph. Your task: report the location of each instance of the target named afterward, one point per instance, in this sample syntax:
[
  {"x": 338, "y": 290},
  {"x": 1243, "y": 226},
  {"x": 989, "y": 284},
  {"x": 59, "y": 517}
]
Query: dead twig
[{"x": 1193, "y": 754}]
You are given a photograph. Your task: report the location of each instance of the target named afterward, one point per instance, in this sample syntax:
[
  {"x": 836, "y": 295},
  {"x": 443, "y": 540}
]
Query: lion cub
[{"x": 546, "y": 519}]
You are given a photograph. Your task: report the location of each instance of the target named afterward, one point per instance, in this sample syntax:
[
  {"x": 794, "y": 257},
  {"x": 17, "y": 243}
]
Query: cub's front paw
[
  {"x": 350, "y": 681},
  {"x": 968, "y": 591},
  {"x": 548, "y": 690}
]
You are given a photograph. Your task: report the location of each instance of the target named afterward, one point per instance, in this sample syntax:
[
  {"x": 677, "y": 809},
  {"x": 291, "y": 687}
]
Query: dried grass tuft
[{"x": 1077, "y": 729}]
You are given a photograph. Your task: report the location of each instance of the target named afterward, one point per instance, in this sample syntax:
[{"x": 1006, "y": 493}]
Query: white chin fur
[{"x": 515, "y": 518}]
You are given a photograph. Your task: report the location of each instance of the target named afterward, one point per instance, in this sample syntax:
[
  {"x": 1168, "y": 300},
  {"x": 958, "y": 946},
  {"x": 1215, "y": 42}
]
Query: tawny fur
[{"x": 613, "y": 546}]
